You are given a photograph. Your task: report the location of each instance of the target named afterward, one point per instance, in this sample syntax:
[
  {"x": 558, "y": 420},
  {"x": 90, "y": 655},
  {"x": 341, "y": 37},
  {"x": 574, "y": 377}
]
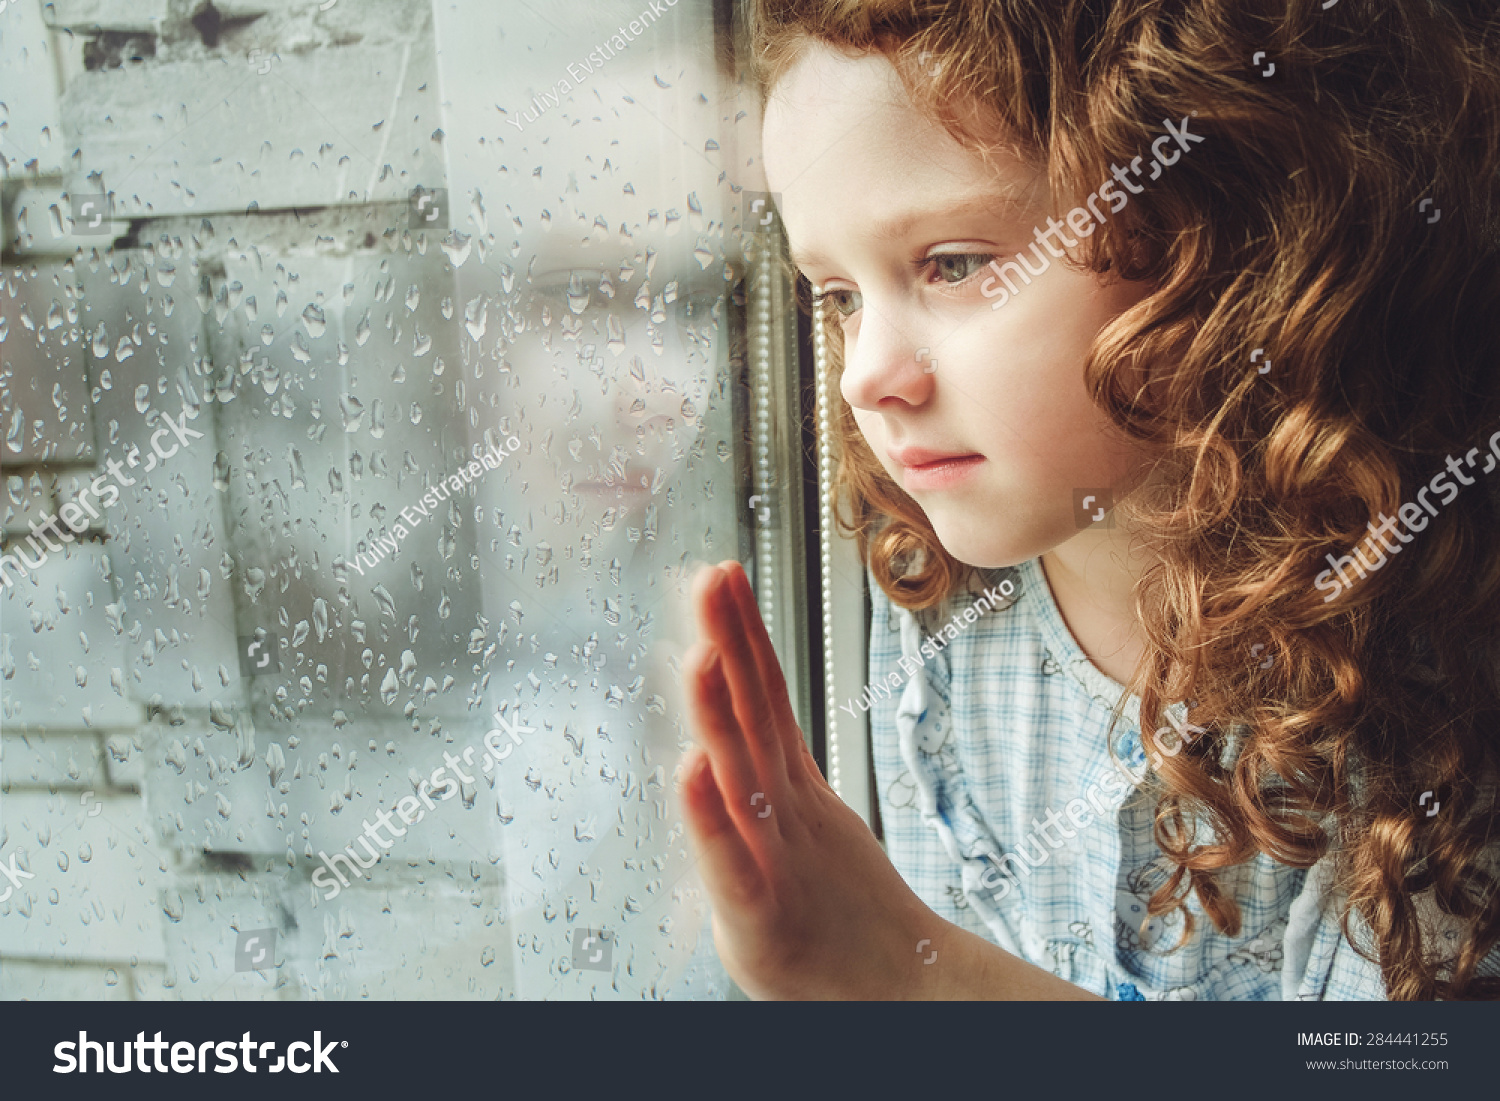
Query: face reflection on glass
[
  {"x": 603, "y": 274},
  {"x": 608, "y": 284},
  {"x": 615, "y": 363}
]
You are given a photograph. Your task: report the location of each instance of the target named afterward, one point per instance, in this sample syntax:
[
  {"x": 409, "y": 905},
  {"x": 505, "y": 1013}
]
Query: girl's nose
[{"x": 883, "y": 362}]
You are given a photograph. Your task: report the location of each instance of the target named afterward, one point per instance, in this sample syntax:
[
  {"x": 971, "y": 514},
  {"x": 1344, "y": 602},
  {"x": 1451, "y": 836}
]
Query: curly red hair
[{"x": 1298, "y": 227}]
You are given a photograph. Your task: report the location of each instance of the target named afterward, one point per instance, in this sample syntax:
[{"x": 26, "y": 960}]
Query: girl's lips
[
  {"x": 923, "y": 456},
  {"x": 628, "y": 484},
  {"x": 940, "y": 473}
]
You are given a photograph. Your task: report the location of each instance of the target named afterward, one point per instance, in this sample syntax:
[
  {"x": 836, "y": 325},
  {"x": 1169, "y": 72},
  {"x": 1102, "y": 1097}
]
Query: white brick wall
[
  {"x": 134, "y": 783},
  {"x": 191, "y": 846}
]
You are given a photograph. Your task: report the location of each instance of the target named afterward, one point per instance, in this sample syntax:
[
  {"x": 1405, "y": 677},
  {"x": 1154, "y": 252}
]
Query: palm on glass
[{"x": 806, "y": 903}]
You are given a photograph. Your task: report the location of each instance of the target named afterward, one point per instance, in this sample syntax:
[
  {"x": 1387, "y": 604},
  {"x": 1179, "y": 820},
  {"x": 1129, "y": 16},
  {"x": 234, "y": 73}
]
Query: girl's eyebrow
[
  {"x": 993, "y": 205},
  {"x": 803, "y": 260},
  {"x": 899, "y": 225}
]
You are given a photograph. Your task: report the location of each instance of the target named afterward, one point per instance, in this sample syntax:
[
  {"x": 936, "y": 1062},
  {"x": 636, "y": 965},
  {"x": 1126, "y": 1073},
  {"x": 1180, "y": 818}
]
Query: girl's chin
[{"x": 972, "y": 549}]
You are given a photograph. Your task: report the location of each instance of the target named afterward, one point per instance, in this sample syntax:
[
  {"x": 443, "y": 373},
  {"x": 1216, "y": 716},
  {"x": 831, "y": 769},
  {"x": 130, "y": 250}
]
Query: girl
[{"x": 1177, "y": 316}]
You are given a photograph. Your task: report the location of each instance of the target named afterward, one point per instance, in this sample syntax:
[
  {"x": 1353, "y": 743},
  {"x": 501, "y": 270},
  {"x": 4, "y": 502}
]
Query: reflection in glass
[{"x": 326, "y": 671}]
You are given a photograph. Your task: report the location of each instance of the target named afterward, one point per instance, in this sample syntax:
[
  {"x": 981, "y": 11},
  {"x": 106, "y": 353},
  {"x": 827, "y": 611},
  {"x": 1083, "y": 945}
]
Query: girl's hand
[{"x": 806, "y": 904}]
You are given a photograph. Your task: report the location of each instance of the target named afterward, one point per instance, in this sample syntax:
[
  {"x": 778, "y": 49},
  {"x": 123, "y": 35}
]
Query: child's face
[{"x": 898, "y": 222}]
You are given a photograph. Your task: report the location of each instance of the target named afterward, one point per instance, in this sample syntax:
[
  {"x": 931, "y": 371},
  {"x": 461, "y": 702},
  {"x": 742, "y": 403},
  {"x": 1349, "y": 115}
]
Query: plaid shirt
[{"x": 1003, "y": 810}]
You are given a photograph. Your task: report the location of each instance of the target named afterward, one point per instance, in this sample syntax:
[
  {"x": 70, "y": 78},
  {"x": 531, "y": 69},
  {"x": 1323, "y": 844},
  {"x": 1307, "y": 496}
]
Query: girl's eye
[
  {"x": 845, "y": 302},
  {"x": 955, "y": 267}
]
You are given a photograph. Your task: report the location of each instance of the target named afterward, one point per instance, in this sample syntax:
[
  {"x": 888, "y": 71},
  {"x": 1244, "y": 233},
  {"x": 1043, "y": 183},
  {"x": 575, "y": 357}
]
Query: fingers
[
  {"x": 714, "y": 722},
  {"x": 723, "y": 624},
  {"x": 728, "y": 867},
  {"x": 794, "y": 746},
  {"x": 765, "y": 655}
]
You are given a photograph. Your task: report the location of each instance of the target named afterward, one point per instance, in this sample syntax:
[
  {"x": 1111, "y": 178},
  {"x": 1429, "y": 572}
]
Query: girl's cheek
[
  {"x": 850, "y": 326},
  {"x": 868, "y": 424}
]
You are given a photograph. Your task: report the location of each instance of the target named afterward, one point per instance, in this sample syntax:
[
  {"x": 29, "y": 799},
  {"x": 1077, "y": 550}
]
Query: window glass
[{"x": 357, "y": 444}]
